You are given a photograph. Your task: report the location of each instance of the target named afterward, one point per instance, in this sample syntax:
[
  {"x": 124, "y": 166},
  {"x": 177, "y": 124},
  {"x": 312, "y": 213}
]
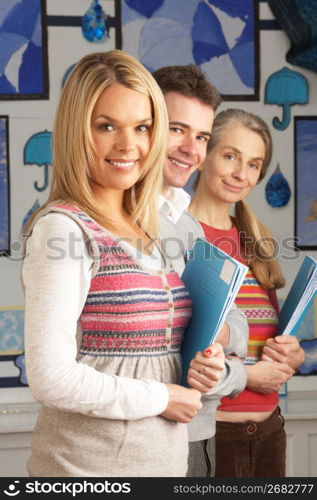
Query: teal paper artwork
[
  {"x": 277, "y": 190},
  {"x": 37, "y": 151},
  {"x": 218, "y": 36},
  {"x": 95, "y": 23},
  {"x": 35, "y": 206},
  {"x": 285, "y": 88},
  {"x": 67, "y": 73}
]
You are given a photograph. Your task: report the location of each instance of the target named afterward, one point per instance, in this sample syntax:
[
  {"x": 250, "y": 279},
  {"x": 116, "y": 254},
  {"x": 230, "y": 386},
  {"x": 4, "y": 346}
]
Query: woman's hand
[
  {"x": 183, "y": 404},
  {"x": 285, "y": 349},
  {"x": 206, "y": 367},
  {"x": 268, "y": 376}
]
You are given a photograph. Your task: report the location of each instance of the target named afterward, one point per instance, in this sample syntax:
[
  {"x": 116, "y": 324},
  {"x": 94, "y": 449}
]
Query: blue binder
[
  {"x": 213, "y": 279},
  {"x": 299, "y": 298}
]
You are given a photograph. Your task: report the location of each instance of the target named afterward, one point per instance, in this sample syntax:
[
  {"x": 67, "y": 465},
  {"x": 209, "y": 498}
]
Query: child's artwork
[
  {"x": 4, "y": 187},
  {"x": 221, "y": 37},
  {"x": 24, "y": 56},
  {"x": 305, "y": 131}
]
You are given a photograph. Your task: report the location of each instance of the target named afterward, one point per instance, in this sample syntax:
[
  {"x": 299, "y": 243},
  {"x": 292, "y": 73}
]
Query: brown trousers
[{"x": 251, "y": 449}]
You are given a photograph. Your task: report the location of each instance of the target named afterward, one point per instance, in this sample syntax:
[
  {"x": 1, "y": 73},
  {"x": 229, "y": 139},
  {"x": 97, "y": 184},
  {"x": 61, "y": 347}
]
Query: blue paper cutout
[
  {"x": 20, "y": 363},
  {"x": 218, "y": 36},
  {"x": 67, "y": 73},
  {"x": 95, "y": 23},
  {"x": 233, "y": 9},
  {"x": 21, "y": 43},
  {"x": 37, "y": 151},
  {"x": 35, "y": 206},
  {"x": 285, "y": 88},
  {"x": 277, "y": 190},
  {"x": 145, "y": 7},
  {"x": 208, "y": 38}
]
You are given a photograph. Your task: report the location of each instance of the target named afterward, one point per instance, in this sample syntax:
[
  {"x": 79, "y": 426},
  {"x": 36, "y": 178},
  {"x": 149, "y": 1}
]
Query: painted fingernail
[{"x": 207, "y": 351}]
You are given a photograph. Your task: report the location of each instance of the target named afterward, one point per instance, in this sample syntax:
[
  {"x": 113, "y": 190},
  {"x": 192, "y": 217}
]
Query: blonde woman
[
  {"x": 250, "y": 435},
  {"x": 104, "y": 311}
]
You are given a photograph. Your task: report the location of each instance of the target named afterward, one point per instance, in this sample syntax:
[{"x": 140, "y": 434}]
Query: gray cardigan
[{"x": 177, "y": 239}]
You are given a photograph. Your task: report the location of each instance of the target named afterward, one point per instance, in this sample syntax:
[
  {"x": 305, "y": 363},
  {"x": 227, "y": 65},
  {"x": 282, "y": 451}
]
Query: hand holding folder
[{"x": 213, "y": 279}]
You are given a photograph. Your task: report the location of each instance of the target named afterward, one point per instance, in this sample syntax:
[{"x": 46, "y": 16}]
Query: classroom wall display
[
  {"x": 222, "y": 38},
  {"x": 4, "y": 187},
  {"x": 12, "y": 346},
  {"x": 277, "y": 190},
  {"x": 38, "y": 151},
  {"x": 285, "y": 88},
  {"x": 95, "y": 23},
  {"x": 24, "y": 55},
  {"x": 305, "y": 133}
]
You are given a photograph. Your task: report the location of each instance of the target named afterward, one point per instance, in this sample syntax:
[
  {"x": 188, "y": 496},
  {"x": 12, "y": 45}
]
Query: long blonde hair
[
  {"x": 254, "y": 236},
  {"x": 73, "y": 142}
]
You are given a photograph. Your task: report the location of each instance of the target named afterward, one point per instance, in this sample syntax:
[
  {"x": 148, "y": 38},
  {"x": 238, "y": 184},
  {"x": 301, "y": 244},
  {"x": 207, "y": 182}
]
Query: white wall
[{"x": 66, "y": 46}]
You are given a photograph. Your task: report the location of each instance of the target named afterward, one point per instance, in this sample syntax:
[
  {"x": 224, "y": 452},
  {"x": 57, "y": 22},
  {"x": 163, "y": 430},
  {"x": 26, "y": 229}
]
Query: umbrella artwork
[
  {"x": 37, "y": 150},
  {"x": 285, "y": 88}
]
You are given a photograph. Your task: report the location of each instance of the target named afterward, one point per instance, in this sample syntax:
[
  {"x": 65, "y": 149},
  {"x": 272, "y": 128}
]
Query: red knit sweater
[{"x": 261, "y": 310}]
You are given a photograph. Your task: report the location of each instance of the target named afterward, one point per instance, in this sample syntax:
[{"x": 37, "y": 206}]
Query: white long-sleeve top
[{"x": 56, "y": 276}]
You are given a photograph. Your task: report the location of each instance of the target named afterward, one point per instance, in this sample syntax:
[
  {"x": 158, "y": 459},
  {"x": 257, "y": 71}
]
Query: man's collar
[{"x": 177, "y": 201}]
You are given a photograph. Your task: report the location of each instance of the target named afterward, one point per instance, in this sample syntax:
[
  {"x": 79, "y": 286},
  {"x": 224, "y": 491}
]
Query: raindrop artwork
[
  {"x": 95, "y": 24},
  {"x": 37, "y": 150},
  {"x": 285, "y": 88},
  {"x": 277, "y": 190}
]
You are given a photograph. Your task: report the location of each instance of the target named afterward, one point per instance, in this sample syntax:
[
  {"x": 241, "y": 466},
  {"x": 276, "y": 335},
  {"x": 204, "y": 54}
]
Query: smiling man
[{"x": 191, "y": 104}]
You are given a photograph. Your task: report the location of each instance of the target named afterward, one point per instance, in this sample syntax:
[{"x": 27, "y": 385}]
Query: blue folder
[
  {"x": 299, "y": 298},
  {"x": 213, "y": 279}
]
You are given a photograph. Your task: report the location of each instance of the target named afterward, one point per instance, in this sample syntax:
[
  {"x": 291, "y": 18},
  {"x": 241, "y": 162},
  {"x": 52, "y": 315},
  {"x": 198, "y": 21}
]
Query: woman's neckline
[
  {"x": 233, "y": 226},
  {"x": 167, "y": 266}
]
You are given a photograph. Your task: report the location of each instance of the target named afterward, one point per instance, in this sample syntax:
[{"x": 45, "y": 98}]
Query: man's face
[{"x": 190, "y": 123}]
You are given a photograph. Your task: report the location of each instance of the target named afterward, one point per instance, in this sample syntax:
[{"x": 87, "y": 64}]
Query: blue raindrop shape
[
  {"x": 95, "y": 23},
  {"x": 277, "y": 190}
]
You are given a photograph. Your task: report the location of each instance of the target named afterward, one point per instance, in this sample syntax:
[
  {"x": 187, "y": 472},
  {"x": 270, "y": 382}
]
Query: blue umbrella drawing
[
  {"x": 285, "y": 88},
  {"x": 37, "y": 151}
]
